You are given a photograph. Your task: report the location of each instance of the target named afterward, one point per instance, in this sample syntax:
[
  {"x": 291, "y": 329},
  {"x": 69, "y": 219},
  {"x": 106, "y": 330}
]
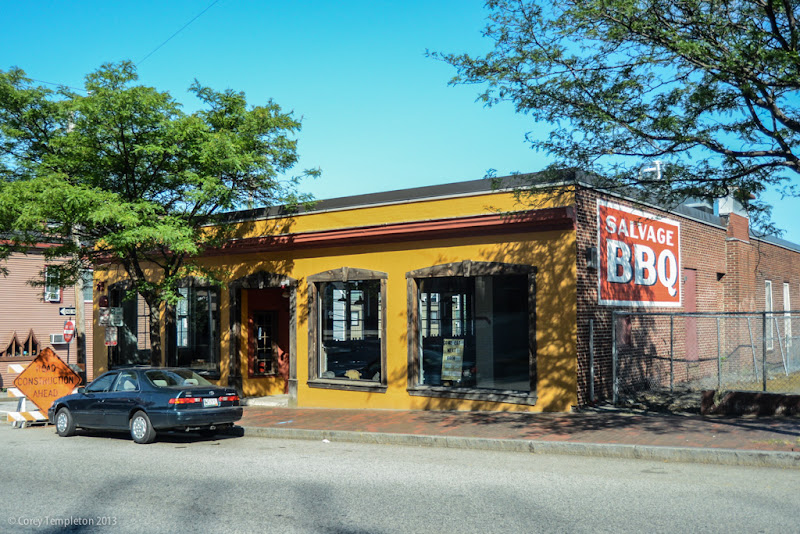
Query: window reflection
[
  {"x": 350, "y": 333},
  {"x": 474, "y": 332},
  {"x": 197, "y": 329}
]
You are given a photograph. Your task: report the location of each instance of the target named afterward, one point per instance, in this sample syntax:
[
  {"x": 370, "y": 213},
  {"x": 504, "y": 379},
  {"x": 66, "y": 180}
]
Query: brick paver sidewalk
[{"x": 742, "y": 433}]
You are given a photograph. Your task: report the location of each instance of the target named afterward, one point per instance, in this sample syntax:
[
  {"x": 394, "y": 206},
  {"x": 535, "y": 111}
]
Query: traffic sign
[
  {"x": 67, "y": 310},
  {"x": 117, "y": 317},
  {"x": 112, "y": 336},
  {"x": 69, "y": 331},
  {"x": 46, "y": 379}
]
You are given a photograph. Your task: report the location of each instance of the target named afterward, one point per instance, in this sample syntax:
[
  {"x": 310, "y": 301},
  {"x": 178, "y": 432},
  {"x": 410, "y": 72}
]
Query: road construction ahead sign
[{"x": 46, "y": 379}]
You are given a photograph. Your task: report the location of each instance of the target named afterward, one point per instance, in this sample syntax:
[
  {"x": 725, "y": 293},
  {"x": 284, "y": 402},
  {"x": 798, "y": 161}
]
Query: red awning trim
[{"x": 562, "y": 218}]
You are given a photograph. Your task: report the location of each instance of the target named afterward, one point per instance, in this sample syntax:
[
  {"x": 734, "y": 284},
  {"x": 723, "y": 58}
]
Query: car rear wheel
[
  {"x": 65, "y": 423},
  {"x": 141, "y": 429}
]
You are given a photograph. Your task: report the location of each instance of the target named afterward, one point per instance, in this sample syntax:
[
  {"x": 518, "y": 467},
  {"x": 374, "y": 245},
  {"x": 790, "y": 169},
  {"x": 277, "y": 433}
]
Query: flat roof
[
  {"x": 468, "y": 188},
  {"x": 396, "y": 196}
]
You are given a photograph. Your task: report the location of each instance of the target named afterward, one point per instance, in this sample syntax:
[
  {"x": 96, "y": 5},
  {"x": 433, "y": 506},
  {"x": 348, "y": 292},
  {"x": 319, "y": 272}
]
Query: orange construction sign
[{"x": 46, "y": 379}]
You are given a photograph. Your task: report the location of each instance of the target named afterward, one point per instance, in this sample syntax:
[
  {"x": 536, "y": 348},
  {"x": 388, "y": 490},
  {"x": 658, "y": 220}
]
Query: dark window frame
[
  {"x": 193, "y": 284},
  {"x": 136, "y": 314},
  {"x": 469, "y": 269},
  {"x": 343, "y": 274}
]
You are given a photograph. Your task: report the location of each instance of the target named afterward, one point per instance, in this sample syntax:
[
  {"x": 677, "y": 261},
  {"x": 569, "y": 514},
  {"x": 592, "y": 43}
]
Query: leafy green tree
[
  {"x": 709, "y": 88},
  {"x": 122, "y": 177}
]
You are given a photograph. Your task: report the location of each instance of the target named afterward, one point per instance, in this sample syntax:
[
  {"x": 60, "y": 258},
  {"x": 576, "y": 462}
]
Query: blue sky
[{"x": 377, "y": 113}]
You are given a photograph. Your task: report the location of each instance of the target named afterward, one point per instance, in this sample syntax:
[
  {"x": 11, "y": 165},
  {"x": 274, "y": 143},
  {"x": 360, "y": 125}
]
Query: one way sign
[{"x": 66, "y": 311}]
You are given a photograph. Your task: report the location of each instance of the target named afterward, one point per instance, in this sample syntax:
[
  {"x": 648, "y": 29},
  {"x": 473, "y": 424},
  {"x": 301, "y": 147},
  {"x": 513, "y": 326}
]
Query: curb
[{"x": 734, "y": 457}]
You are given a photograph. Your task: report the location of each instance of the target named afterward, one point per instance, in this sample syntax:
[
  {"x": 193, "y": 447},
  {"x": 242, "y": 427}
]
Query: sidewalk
[
  {"x": 608, "y": 433},
  {"x": 773, "y": 442}
]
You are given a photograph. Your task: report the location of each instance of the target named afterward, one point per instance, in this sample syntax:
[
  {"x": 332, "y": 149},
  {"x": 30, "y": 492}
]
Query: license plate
[{"x": 210, "y": 402}]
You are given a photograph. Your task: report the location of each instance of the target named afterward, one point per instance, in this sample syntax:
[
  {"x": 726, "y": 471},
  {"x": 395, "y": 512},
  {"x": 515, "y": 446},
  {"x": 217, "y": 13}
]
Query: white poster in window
[{"x": 452, "y": 358}]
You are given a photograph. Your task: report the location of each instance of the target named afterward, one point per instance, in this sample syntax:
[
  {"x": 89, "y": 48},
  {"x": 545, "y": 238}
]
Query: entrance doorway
[{"x": 268, "y": 335}]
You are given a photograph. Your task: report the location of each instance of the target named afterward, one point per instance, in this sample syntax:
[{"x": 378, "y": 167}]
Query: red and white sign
[
  {"x": 69, "y": 331},
  {"x": 640, "y": 257}
]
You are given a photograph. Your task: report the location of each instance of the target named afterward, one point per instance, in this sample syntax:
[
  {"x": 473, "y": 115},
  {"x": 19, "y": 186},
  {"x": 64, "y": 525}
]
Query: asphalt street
[{"x": 182, "y": 483}]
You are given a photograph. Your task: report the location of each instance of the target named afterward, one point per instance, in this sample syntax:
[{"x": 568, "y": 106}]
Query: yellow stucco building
[{"x": 442, "y": 297}]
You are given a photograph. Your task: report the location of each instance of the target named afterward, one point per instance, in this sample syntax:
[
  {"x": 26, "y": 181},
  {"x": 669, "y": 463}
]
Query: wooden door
[
  {"x": 263, "y": 343},
  {"x": 268, "y": 334}
]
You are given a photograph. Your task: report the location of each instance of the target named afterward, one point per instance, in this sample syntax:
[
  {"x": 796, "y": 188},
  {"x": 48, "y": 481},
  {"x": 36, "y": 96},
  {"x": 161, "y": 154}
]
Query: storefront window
[
  {"x": 195, "y": 343},
  {"x": 474, "y": 332},
  {"x": 350, "y": 337},
  {"x": 348, "y": 331},
  {"x": 197, "y": 329},
  {"x": 475, "y": 329},
  {"x": 133, "y": 337}
]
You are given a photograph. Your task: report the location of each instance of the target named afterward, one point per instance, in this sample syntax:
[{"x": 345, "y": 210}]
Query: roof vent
[
  {"x": 701, "y": 204},
  {"x": 653, "y": 172}
]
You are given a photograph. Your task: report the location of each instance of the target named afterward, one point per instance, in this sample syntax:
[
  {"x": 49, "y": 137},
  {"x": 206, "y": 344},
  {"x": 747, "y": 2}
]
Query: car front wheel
[
  {"x": 65, "y": 424},
  {"x": 141, "y": 429}
]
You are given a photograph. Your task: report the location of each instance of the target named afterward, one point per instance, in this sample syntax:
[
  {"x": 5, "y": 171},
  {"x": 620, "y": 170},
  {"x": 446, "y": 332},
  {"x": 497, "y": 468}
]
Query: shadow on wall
[
  {"x": 260, "y": 227},
  {"x": 552, "y": 253}
]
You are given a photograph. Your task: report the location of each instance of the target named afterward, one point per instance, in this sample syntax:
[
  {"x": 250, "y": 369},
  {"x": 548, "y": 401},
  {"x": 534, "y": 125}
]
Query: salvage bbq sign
[{"x": 639, "y": 257}]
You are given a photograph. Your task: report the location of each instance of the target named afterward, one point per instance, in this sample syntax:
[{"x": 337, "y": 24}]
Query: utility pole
[{"x": 80, "y": 329}]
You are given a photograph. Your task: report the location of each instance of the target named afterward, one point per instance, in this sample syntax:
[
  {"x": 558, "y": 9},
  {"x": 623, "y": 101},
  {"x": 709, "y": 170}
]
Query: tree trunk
[
  {"x": 155, "y": 333},
  {"x": 80, "y": 322},
  {"x": 170, "y": 345}
]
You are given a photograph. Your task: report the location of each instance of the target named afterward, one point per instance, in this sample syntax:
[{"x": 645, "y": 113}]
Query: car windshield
[{"x": 165, "y": 378}]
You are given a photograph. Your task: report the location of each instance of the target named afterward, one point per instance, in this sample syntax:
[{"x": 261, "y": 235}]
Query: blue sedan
[{"x": 144, "y": 400}]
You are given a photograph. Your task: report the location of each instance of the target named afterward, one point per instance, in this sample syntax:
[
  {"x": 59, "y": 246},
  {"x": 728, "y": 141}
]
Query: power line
[
  {"x": 177, "y": 32},
  {"x": 145, "y": 57},
  {"x": 58, "y": 85}
]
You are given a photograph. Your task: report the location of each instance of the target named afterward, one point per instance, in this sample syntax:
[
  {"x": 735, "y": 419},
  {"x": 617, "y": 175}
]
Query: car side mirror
[{"x": 81, "y": 390}]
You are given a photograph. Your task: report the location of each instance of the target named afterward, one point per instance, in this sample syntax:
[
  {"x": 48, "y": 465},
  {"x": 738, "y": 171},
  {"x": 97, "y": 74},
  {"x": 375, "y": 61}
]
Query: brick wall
[{"x": 731, "y": 270}]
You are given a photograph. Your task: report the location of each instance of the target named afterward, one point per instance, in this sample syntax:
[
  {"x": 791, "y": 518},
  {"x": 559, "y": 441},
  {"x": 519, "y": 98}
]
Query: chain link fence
[{"x": 698, "y": 351}]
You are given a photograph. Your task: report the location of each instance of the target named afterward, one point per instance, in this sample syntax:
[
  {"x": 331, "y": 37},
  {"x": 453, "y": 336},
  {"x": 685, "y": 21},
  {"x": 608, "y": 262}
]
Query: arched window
[{"x": 347, "y": 329}]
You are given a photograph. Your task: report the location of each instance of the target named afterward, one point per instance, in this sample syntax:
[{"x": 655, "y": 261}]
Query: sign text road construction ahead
[{"x": 46, "y": 379}]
